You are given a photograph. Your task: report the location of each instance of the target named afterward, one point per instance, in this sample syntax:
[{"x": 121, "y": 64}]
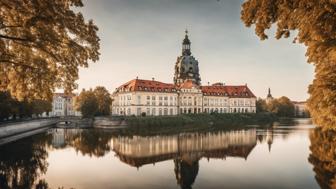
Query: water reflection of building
[
  {"x": 61, "y": 136},
  {"x": 185, "y": 149},
  {"x": 266, "y": 135},
  {"x": 137, "y": 151}
]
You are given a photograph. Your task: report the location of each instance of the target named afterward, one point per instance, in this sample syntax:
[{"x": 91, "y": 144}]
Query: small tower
[{"x": 269, "y": 97}]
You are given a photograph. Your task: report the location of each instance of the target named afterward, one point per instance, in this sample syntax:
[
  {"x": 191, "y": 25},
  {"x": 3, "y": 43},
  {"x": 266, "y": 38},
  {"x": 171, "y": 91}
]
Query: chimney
[{"x": 153, "y": 79}]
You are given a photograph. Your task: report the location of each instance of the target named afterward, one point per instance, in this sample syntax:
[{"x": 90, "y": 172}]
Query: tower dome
[{"x": 186, "y": 66}]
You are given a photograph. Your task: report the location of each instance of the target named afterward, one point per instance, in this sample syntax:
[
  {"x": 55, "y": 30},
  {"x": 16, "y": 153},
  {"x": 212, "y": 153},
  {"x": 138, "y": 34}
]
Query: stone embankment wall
[
  {"x": 108, "y": 122},
  {"x": 14, "y": 131}
]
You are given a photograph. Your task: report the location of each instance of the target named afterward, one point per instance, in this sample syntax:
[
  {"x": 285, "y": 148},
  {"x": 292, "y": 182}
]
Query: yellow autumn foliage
[
  {"x": 42, "y": 44},
  {"x": 313, "y": 22}
]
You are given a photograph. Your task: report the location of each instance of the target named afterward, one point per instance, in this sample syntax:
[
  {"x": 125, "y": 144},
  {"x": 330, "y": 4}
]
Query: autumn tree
[
  {"x": 313, "y": 22},
  {"x": 104, "y": 101},
  {"x": 41, "y": 106},
  {"x": 282, "y": 107},
  {"x": 261, "y": 105},
  {"x": 87, "y": 103},
  {"x": 6, "y": 105},
  {"x": 42, "y": 45},
  {"x": 285, "y": 107}
]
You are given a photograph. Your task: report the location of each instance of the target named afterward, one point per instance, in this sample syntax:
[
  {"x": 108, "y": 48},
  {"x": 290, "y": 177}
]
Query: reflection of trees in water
[
  {"x": 23, "y": 162},
  {"x": 93, "y": 143},
  {"x": 323, "y": 156},
  {"x": 90, "y": 142}
]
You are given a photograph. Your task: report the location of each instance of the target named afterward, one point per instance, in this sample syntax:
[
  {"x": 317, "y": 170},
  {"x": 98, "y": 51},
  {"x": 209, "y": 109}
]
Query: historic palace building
[{"x": 186, "y": 95}]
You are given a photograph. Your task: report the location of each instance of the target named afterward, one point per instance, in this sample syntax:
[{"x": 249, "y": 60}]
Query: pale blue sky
[{"x": 143, "y": 38}]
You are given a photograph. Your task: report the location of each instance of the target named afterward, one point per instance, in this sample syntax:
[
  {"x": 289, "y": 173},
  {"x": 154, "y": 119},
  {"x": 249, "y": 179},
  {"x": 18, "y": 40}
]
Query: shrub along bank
[{"x": 219, "y": 120}]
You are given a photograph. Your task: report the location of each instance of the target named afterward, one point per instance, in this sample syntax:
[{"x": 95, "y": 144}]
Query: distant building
[
  {"x": 63, "y": 105},
  {"x": 269, "y": 97},
  {"x": 301, "y": 109},
  {"x": 185, "y": 95}
]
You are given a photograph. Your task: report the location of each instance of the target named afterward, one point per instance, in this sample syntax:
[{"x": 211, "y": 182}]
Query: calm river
[{"x": 287, "y": 155}]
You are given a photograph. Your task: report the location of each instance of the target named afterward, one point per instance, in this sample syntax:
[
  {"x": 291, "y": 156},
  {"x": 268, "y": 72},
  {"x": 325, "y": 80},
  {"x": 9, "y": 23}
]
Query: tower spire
[
  {"x": 269, "y": 95},
  {"x": 186, "y": 44}
]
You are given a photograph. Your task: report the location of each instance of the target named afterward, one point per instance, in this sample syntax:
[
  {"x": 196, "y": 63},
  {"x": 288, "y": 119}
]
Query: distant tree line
[
  {"x": 95, "y": 102},
  {"x": 11, "y": 108},
  {"x": 282, "y": 107}
]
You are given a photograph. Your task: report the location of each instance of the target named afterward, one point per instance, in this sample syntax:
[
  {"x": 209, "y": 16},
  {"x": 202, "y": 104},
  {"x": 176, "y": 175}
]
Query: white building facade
[
  {"x": 185, "y": 96},
  {"x": 63, "y": 105}
]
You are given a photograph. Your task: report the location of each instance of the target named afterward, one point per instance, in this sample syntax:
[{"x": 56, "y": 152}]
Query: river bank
[
  {"x": 192, "y": 122},
  {"x": 13, "y": 131},
  {"x": 141, "y": 125},
  {"x": 202, "y": 119}
]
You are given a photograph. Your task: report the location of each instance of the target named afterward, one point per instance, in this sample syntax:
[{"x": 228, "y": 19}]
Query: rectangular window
[{"x": 139, "y": 99}]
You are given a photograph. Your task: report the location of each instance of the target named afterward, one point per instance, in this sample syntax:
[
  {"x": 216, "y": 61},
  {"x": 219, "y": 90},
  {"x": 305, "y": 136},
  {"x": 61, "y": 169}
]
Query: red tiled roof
[
  {"x": 189, "y": 84},
  {"x": 146, "y": 85},
  {"x": 239, "y": 91}
]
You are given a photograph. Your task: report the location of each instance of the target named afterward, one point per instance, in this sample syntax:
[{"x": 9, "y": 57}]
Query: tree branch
[
  {"x": 4, "y": 26},
  {"x": 14, "y": 38}
]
